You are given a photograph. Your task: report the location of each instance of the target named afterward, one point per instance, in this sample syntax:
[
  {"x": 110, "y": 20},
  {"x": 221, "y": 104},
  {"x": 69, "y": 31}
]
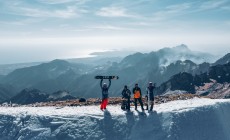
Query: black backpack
[
  {"x": 123, "y": 105},
  {"x": 127, "y": 93}
]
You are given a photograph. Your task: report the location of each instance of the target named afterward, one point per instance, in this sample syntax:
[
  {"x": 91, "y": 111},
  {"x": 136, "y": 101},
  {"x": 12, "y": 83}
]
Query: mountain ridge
[
  {"x": 32, "y": 95},
  {"x": 136, "y": 68}
]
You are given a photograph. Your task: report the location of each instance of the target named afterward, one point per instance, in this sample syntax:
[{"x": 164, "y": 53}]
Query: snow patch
[{"x": 188, "y": 119}]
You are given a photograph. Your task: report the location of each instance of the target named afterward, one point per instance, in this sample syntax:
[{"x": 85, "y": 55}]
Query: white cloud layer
[
  {"x": 87, "y": 25},
  {"x": 113, "y": 12}
]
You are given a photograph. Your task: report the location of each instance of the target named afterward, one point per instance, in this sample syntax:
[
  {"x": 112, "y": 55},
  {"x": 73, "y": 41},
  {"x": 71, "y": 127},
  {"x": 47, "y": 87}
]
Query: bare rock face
[
  {"x": 223, "y": 60},
  {"x": 214, "y": 82},
  {"x": 116, "y": 100},
  {"x": 214, "y": 90}
]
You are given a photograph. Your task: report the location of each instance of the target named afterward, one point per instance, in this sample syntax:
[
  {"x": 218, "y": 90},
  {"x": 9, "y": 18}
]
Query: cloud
[
  {"x": 113, "y": 12},
  {"x": 16, "y": 23},
  {"x": 171, "y": 11},
  {"x": 56, "y": 1},
  {"x": 42, "y": 10},
  {"x": 22, "y": 22},
  {"x": 212, "y": 4},
  {"x": 53, "y": 2},
  {"x": 69, "y": 12},
  {"x": 107, "y": 27},
  {"x": 71, "y": 18}
]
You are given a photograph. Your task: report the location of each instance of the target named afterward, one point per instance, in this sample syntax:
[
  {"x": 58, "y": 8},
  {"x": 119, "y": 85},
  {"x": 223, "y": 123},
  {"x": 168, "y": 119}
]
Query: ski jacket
[
  {"x": 105, "y": 90},
  {"x": 149, "y": 91},
  {"x": 126, "y": 93},
  {"x": 137, "y": 92}
]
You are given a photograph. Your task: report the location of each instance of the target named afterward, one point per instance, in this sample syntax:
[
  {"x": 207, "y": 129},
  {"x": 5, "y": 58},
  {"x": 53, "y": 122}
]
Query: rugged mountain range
[
  {"x": 30, "y": 76},
  {"x": 29, "y": 96},
  {"x": 6, "y": 92},
  {"x": 158, "y": 66},
  {"x": 141, "y": 68},
  {"x": 94, "y": 59},
  {"x": 8, "y": 68},
  {"x": 223, "y": 60},
  {"x": 187, "y": 82}
]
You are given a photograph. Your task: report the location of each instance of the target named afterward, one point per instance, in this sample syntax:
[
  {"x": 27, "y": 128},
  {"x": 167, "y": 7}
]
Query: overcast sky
[{"x": 41, "y": 30}]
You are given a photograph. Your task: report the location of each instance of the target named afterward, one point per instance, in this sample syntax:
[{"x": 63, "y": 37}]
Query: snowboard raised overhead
[{"x": 106, "y": 77}]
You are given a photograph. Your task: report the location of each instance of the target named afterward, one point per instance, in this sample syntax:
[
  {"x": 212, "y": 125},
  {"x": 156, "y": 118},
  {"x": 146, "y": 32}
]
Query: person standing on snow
[
  {"x": 126, "y": 93},
  {"x": 105, "y": 93},
  {"x": 137, "y": 96},
  {"x": 150, "y": 96}
]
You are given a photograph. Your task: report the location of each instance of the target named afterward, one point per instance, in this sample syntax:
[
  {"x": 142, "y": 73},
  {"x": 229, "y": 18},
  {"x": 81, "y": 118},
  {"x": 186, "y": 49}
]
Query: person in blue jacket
[{"x": 150, "y": 95}]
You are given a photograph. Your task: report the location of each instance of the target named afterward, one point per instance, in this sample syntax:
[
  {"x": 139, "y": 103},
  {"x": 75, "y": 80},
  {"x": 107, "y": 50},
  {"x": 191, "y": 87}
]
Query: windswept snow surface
[{"x": 194, "y": 119}]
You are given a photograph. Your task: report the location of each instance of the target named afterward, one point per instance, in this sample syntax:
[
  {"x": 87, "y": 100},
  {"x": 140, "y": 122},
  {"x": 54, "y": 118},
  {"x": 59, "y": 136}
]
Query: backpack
[
  {"x": 126, "y": 94},
  {"x": 123, "y": 105}
]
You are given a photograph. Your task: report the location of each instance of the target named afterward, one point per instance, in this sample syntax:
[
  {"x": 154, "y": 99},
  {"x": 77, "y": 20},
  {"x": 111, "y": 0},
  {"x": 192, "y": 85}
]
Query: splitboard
[{"x": 106, "y": 77}]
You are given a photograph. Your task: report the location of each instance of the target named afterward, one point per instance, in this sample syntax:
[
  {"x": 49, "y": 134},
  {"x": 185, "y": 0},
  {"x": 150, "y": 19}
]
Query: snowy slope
[{"x": 203, "y": 119}]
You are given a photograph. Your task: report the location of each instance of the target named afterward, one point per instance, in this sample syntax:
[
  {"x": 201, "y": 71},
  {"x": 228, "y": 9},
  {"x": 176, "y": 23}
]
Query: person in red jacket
[{"x": 105, "y": 94}]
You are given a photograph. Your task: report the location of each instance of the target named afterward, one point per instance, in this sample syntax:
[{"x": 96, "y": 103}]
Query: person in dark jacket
[
  {"x": 126, "y": 93},
  {"x": 105, "y": 94},
  {"x": 137, "y": 96},
  {"x": 150, "y": 95}
]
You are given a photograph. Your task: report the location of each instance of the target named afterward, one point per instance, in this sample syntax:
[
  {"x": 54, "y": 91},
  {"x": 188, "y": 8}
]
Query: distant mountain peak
[
  {"x": 182, "y": 47},
  {"x": 58, "y": 61},
  {"x": 179, "y": 48},
  {"x": 224, "y": 60},
  {"x": 27, "y": 90}
]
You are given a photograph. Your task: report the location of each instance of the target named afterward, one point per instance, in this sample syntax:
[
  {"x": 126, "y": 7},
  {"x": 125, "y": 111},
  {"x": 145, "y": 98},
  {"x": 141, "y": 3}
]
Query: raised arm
[
  {"x": 101, "y": 83},
  {"x": 147, "y": 93},
  {"x": 123, "y": 93},
  {"x": 109, "y": 83}
]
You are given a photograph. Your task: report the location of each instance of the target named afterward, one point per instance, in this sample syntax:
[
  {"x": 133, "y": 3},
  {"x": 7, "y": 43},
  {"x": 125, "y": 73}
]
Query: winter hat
[{"x": 104, "y": 85}]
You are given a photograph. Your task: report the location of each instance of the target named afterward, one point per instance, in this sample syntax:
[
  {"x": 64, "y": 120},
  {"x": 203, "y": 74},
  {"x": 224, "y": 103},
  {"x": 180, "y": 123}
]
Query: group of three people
[{"x": 126, "y": 94}]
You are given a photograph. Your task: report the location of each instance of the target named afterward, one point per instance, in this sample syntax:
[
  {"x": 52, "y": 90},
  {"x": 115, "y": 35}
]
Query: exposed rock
[{"x": 115, "y": 101}]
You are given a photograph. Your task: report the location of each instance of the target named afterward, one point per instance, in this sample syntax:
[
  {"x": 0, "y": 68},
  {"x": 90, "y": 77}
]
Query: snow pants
[
  {"x": 128, "y": 104},
  {"x": 140, "y": 101},
  {"x": 104, "y": 103},
  {"x": 151, "y": 103}
]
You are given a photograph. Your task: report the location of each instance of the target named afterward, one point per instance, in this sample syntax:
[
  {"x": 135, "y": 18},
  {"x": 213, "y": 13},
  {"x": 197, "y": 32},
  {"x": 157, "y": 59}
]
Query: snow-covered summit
[{"x": 196, "y": 118}]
